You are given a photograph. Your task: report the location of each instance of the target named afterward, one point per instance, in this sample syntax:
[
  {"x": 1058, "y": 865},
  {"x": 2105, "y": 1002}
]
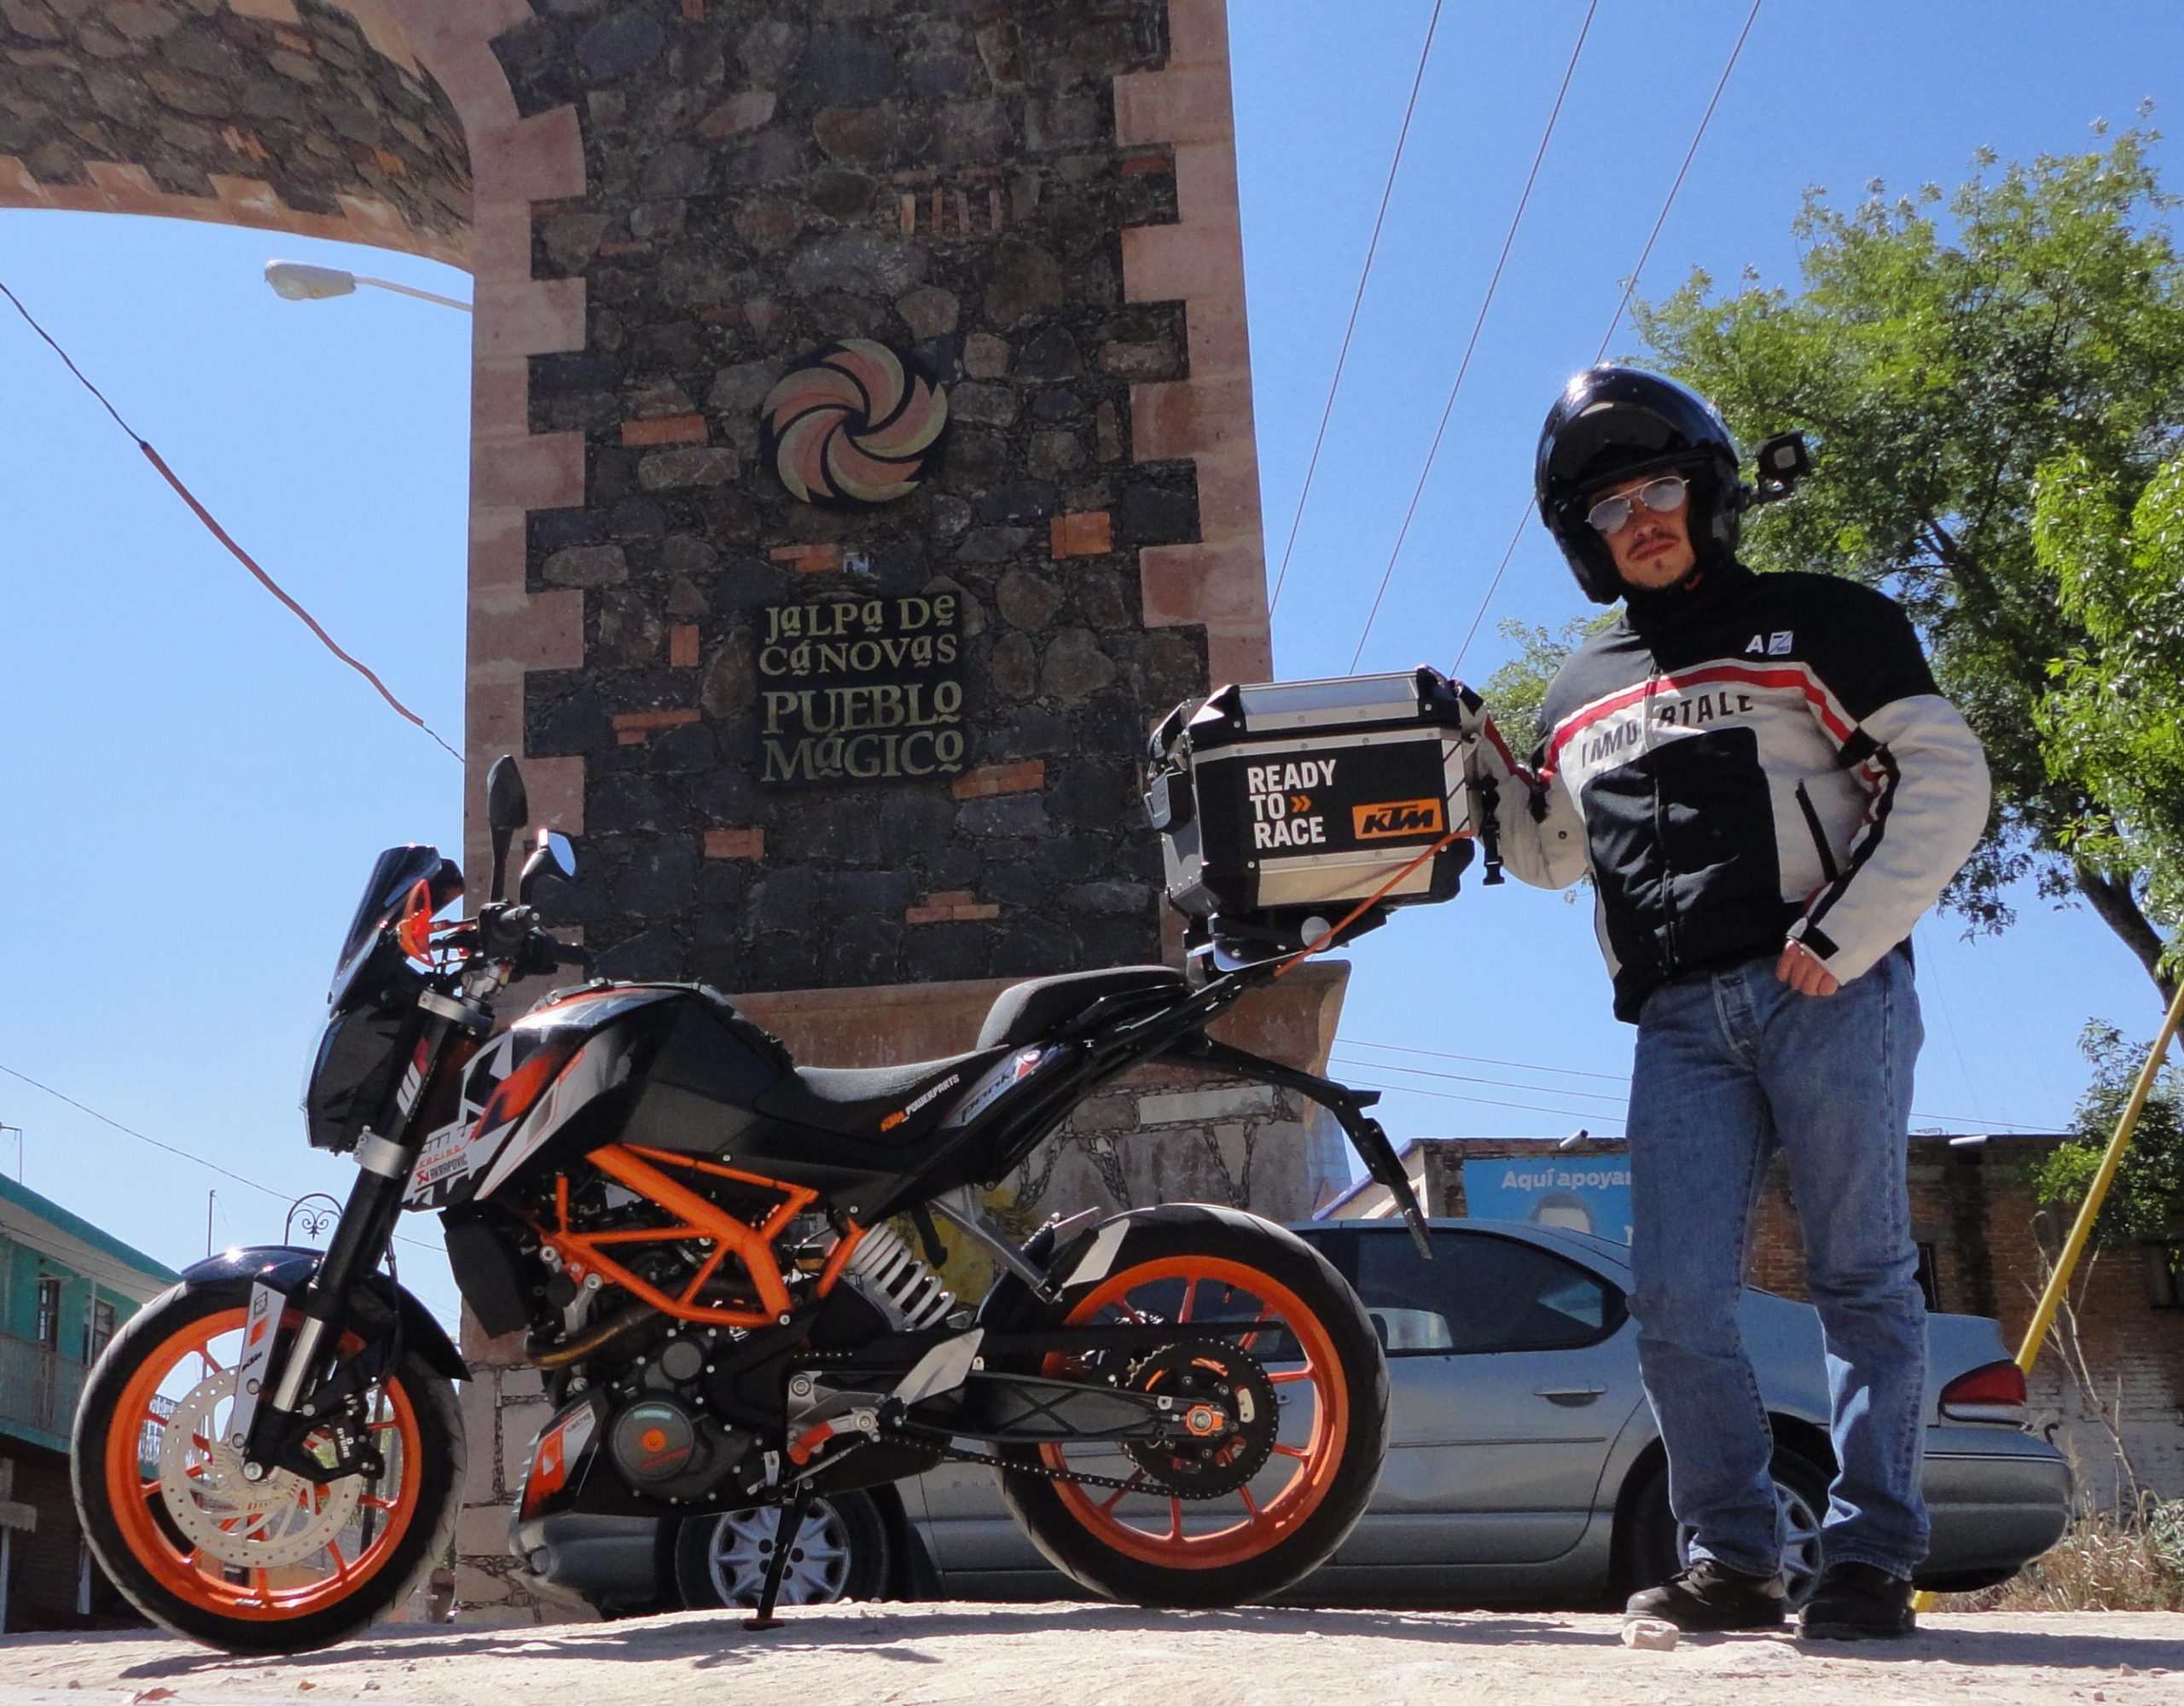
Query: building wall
[
  {"x": 38, "y": 1388},
  {"x": 1974, "y": 1213}
]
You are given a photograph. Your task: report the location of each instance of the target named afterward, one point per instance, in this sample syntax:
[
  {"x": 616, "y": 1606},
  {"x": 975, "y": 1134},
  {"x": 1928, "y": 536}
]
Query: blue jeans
[{"x": 1729, "y": 1066}]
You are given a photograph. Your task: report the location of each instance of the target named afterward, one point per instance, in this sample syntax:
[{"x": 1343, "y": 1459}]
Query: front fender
[{"x": 287, "y": 1269}]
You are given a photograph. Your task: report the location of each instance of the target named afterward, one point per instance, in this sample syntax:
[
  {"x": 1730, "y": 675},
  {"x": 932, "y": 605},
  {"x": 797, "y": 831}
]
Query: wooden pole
[{"x": 2059, "y": 1281}]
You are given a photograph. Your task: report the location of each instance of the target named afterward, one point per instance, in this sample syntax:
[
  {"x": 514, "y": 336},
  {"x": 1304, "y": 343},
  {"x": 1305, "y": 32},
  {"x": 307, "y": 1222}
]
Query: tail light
[{"x": 1993, "y": 1392}]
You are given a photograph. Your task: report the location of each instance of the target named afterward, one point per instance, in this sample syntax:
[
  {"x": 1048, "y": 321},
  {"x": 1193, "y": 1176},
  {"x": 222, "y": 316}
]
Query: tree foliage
[
  {"x": 2147, "y": 1200},
  {"x": 2113, "y": 719},
  {"x": 1945, "y": 356}
]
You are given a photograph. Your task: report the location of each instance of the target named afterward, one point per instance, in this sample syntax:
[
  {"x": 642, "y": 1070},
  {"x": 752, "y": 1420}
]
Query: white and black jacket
[{"x": 1761, "y": 757}]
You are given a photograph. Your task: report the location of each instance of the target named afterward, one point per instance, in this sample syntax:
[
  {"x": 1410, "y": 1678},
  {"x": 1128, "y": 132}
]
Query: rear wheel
[
  {"x": 277, "y": 1565},
  {"x": 1284, "y": 1425}
]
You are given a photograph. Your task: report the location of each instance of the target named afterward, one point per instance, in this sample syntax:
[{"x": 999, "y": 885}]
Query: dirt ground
[{"x": 1076, "y": 1655}]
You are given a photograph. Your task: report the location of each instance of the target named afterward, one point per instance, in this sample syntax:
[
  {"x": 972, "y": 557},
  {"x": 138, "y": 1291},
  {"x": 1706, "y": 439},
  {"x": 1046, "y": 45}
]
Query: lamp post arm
[{"x": 410, "y": 290}]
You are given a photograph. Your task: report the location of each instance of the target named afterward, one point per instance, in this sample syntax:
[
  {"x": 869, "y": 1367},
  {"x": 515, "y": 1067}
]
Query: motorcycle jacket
[{"x": 1756, "y": 759}]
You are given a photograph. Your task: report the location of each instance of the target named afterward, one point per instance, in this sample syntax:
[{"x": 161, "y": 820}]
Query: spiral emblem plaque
[{"x": 854, "y": 425}]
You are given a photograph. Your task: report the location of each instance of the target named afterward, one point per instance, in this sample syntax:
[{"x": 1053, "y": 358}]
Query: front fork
[{"x": 282, "y": 1393}]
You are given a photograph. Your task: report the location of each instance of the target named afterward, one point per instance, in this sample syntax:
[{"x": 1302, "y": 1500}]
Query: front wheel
[
  {"x": 278, "y": 1566},
  {"x": 1287, "y": 1420}
]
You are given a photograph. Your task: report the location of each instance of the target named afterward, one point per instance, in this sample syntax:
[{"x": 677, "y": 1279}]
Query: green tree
[
  {"x": 2113, "y": 721},
  {"x": 2148, "y": 1198},
  {"x": 1941, "y": 359}
]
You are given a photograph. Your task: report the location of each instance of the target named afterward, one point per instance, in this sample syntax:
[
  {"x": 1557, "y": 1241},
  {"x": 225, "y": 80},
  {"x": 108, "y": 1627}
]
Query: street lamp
[{"x": 300, "y": 282}]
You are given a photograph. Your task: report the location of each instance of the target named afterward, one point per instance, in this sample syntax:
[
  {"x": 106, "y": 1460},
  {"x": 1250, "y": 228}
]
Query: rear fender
[{"x": 374, "y": 1305}]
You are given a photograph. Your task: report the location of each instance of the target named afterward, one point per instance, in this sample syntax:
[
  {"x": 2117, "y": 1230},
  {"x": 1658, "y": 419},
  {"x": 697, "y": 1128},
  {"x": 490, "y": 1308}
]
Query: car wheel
[
  {"x": 1661, "y": 1546},
  {"x": 841, "y": 1552}
]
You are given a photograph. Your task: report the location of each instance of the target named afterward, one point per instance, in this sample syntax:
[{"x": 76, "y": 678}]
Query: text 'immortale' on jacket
[{"x": 1760, "y": 758}]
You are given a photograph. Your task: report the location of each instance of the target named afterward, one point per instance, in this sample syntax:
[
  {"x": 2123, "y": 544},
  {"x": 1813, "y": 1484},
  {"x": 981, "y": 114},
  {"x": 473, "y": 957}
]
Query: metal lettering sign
[{"x": 861, "y": 690}]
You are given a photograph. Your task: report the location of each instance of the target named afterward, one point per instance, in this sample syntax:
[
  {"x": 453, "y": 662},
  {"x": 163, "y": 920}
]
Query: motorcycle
[{"x": 700, "y": 1237}]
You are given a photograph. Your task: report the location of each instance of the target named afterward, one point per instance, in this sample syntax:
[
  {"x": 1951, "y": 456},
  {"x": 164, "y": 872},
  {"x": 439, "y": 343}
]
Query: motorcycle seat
[
  {"x": 1023, "y": 1013},
  {"x": 853, "y": 1100}
]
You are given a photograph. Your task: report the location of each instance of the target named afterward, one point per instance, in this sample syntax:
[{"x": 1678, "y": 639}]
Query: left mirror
[
  {"x": 560, "y": 849},
  {"x": 506, "y": 805}
]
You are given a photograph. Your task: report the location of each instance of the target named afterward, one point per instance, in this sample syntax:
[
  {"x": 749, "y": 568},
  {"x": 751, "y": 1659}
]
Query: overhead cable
[
  {"x": 1342, "y": 356},
  {"x": 184, "y": 1154},
  {"x": 1629, "y": 289},
  {"x": 221, "y": 533},
  {"x": 1478, "y": 322}
]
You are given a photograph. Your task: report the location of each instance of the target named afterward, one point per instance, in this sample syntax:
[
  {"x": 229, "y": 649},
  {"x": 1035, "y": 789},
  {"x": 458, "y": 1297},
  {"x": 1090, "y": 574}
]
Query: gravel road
[{"x": 1078, "y": 1655}]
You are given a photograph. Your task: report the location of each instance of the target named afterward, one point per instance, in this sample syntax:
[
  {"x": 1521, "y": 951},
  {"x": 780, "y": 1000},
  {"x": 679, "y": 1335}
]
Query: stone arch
[{"x": 385, "y": 122}]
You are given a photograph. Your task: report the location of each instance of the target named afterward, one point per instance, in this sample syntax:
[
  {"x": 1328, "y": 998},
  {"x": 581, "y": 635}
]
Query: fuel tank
[
  {"x": 671, "y": 1065},
  {"x": 674, "y": 1066}
]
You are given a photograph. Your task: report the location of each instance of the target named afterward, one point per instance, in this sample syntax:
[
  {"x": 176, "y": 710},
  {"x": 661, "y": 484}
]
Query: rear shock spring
[{"x": 896, "y": 1283}]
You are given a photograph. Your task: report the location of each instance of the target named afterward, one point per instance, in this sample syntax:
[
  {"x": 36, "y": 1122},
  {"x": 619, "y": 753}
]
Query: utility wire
[
  {"x": 1488, "y": 1102},
  {"x": 1342, "y": 356},
  {"x": 1496, "y": 1083},
  {"x": 221, "y": 533},
  {"x": 1977, "y": 1123},
  {"x": 1629, "y": 289},
  {"x": 186, "y": 1155},
  {"x": 1477, "y": 324},
  {"x": 1484, "y": 1060}
]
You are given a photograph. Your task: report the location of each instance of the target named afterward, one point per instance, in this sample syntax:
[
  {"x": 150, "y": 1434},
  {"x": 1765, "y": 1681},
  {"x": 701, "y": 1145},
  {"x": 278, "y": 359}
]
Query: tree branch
[{"x": 2111, "y": 899}]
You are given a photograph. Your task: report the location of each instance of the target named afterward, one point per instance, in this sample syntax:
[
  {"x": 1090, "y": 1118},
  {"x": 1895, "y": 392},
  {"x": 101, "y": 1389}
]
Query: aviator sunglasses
[{"x": 1662, "y": 497}]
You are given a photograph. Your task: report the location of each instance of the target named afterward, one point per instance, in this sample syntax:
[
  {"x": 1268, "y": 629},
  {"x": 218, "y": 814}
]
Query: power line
[
  {"x": 1497, "y": 1084},
  {"x": 1976, "y": 1122},
  {"x": 184, "y": 1154},
  {"x": 1493, "y": 284},
  {"x": 221, "y": 533},
  {"x": 1629, "y": 289},
  {"x": 1342, "y": 356},
  {"x": 1485, "y": 1060},
  {"x": 1488, "y": 1102}
]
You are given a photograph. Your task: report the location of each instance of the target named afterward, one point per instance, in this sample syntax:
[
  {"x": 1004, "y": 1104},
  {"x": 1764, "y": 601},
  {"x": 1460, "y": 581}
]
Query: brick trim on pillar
[
  {"x": 1220, "y": 581},
  {"x": 515, "y": 161}
]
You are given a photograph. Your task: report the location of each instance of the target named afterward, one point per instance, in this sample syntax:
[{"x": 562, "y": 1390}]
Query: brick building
[{"x": 1981, "y": 1239}]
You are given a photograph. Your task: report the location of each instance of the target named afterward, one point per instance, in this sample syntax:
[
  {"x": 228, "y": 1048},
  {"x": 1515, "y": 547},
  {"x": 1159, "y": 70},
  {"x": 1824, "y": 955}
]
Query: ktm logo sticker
[{"x": 1378, "y": 821}]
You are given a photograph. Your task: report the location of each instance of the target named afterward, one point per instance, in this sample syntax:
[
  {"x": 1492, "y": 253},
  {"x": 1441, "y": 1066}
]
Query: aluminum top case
[{"x": 1283, "y": 806}]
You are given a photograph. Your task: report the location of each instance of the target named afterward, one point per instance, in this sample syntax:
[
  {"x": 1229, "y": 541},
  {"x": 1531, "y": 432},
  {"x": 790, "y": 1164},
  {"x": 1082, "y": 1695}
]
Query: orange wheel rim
[
  {"x": 1151, "y": 1525},
  {"x": 273, "y": 1593}
]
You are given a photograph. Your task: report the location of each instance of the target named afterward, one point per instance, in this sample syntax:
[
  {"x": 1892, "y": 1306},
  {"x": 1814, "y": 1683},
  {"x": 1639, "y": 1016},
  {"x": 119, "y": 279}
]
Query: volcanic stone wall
[
  {"x": 765, "y": 178},
  {"x": 286, "y": 113}
]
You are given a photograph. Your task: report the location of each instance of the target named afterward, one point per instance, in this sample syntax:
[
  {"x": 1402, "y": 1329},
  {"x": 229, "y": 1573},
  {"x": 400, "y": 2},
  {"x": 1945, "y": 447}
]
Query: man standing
[{"x": 1767, "y": 790}]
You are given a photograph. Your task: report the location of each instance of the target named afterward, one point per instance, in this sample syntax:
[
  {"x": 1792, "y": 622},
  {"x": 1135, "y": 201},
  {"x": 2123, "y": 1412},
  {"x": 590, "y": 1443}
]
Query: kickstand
[{"x": 792, "y": 1525}]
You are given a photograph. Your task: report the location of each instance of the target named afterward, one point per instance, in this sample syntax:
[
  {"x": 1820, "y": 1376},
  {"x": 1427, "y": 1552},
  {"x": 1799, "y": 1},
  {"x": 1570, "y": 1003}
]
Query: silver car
[{"x": 1523, "y": 1464}]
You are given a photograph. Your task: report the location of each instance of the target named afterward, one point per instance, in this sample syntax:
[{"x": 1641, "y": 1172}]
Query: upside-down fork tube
[
  {"x": 359, "y": 1242},
  {"x": 1348, "y": 1106}
]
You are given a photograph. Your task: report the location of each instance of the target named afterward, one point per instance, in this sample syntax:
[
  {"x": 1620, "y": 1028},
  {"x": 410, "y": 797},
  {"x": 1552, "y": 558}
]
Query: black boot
[
  {"x": 1709, "y": 1596},
  {"x": 1858, "y": 1602}
]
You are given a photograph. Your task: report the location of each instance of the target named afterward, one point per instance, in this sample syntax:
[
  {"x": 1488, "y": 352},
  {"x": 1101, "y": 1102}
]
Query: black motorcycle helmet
[{"x": 1611, "y": 424}]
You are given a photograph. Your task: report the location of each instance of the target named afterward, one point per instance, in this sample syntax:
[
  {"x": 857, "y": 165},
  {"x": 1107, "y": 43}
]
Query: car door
[{"x": 1511, "y": 1371}]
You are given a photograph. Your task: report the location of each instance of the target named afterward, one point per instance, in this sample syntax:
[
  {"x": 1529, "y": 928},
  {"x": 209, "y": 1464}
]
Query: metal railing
[{"x": 39, "y": 1387}]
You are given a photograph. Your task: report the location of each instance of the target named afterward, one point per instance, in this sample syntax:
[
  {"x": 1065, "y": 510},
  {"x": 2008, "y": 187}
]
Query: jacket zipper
[{"x": 1827, "y": 867}]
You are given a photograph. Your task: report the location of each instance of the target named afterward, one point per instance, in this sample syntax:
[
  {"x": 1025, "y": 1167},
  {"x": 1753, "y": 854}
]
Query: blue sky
[{"x": 195, "y": 790}]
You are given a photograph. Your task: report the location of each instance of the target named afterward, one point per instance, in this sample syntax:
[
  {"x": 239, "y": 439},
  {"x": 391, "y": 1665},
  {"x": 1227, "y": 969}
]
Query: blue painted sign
[{"x": 1585, "y": 1193}]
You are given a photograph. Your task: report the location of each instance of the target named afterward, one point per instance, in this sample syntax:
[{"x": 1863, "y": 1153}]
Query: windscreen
[{"x": 397, "y": 871}]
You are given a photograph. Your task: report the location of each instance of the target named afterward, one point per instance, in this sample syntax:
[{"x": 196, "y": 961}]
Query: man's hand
[{"x": 1802, "y": 970}]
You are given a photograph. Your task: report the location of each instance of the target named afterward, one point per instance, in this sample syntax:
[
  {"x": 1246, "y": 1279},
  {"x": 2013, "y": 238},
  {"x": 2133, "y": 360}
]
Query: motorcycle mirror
[
  {"x": 552, "y": 853},
  {"x": 507, "y": 807}
]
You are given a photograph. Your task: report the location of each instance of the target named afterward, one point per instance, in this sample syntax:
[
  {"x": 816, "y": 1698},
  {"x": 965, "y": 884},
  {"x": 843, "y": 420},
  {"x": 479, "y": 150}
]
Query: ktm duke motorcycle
[{"x": 1186, "y": 1405}]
